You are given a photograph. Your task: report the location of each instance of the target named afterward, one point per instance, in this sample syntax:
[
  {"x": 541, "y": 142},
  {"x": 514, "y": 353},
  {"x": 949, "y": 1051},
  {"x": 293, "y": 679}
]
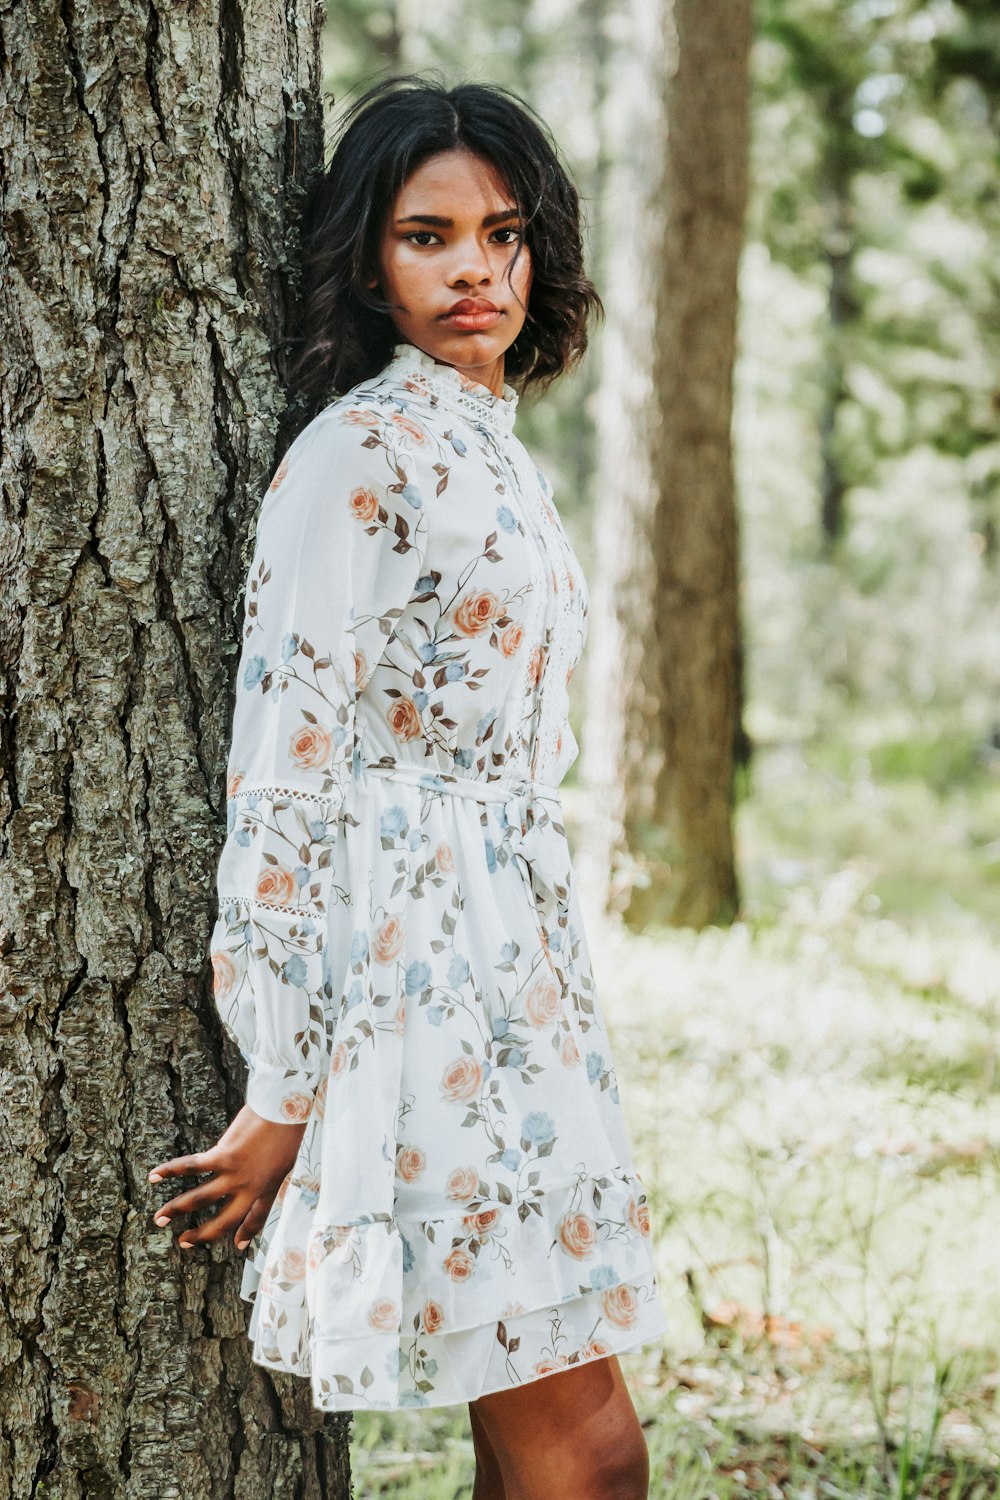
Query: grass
[{"x": 814, "y": 1103}]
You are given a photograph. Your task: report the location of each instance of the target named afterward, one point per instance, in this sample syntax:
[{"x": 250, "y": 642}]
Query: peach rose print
[
  {"x": 410, "y": 1162},
  {"x": 338, "y": 1060},
  {"x": 383, "y": 1314},
  {"x": 310, "y": 746},
  {"x": 223, "y": 973},
  {"x": 407, "y": 425},
  {"x": 276, "y": 886},
  {"x": 459, "y": 1264},
  {"x": 476, "y": 612},
  {"x": 292, "y": 1266},
  {"x": 638, "y": 1216},
  {"x": 462, "y": 1184},
  {"x": 534, "y": 666},
  {"x": 549, "y": 1366},
  {"x": 404, "y": 719},
  {"x": 361, "y": 418},
  {"x": 388, "y": 941},
  {"x": 569, "y": 1052},
  {"x": 363, "y": 505},
  {"x": 577, "y": 1234},
  {"x": 510, "y": 641},
  {"x": 279, "y": 474},
  {"x": 542, "y": 1003},
  {"x": 462, "y": 1080},
  {"x": 483, "y": 1223},
  {"x": 620, "y": 1306},
  {"x": 431, "y": 1316},
  {"x": 445, "y": 858},
  {"x": 360, "y": 671},
  {"x": 296, "y": 1107},
  {"x": 234, "y": 783}
]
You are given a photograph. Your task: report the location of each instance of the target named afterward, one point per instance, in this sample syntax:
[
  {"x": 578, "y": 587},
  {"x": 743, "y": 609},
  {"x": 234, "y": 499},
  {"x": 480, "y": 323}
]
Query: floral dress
[{"x": 399, "y": 953}]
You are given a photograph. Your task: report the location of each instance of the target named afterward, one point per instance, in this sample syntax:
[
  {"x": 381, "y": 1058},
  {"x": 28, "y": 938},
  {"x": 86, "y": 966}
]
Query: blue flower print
[
  {"x": 252, "y": 801},
  {"x": 500, "y": 1027},
  {"x": 507, "y": 518},
  {"x": 418, "y": 976},
  {"x": 595, "y": 1066},
  {"x": 302, "y": 875},
  {"x": 359, "y": 947},
  {"x": 463, "y": 758},
  {"x": 428, "y": 649},
  {"x": 538, "y": 1128},
  {"x": 254, "y": 671},
  {"x": 507, "y": 953},
  {"x": 424, "y": 585},
  {"x": 412, "y": 1398},
  {"x": 289, "y": 646},
  {"x": 454, "y": 671},
  {"x": 602, "y": 1277},
  {"x": 459, "y": 447},
  {"x": 293, "y": 970},
  {"x": 485, "y": 722},
  {"x": 416, "y": 838},
  {"x": 355, "y": 995},
  {"x": 317, "y": 828},
  {"x": 407, "y": 1262},
  {"x": 307, "y": 927},
  {"x": 412, "y": 496},
  {"x": 435, "y": 1014},
  {"x": 394, "y": 821},
  {"x": 515, "y": 1058},
  {"x": 458, "y": 970},
  {"x": 420, "y": 700},
  {"x": 242, "y": 837},
  {"x": 511, "y": 1159},
  {"x": 230, "y": 815},
  {"x": 491, "y": 855}
]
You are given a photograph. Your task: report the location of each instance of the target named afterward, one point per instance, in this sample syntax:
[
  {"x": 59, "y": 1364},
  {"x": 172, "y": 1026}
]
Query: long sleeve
[{"x": 338, "y": 550}]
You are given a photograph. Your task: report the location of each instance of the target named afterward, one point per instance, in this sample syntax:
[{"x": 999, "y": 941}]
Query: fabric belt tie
[{"x": 538, "y": 842}]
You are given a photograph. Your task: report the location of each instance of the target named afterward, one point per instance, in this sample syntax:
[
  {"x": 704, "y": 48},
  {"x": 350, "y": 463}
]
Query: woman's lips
[{"x": 473, "y": 321}]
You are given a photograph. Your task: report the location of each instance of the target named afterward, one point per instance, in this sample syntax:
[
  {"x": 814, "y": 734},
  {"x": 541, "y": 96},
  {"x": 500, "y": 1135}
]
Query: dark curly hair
[{"x": 385, "y": 136}]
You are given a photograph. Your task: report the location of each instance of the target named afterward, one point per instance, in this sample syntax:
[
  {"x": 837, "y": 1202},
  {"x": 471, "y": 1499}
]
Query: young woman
[{"x": 431, "y": 1168}]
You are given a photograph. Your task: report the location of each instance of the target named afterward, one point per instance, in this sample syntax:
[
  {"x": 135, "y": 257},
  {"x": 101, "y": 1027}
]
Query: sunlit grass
[{"x": 814, "y": 1103}]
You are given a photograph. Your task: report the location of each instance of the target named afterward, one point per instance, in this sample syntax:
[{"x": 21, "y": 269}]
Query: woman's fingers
[
  {"x": 254, "y": 1222},
  {"x": 185, "y": 1203},
  {"x": 218, "y": 1225},
  {"x": 185, "y": 1166}
]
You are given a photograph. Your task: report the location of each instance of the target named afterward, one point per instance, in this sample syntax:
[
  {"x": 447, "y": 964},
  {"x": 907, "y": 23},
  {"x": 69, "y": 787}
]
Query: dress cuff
[{"x": 282, "y": 1095}]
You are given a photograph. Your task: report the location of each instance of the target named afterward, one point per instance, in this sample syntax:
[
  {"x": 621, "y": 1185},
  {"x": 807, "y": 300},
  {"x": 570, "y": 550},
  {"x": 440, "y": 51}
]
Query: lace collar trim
[{"x": 421, "y": 375}]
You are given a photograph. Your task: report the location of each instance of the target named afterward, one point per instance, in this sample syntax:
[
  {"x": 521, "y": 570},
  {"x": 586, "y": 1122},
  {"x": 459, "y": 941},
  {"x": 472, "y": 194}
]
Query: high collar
[{"x": 443, "y": 384}]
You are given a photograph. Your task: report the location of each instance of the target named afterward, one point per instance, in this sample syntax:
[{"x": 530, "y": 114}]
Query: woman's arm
[{"x": 338, "y": 550}]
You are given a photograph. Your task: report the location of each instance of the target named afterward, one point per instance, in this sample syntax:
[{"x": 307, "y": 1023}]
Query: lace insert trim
[
  {"x": 274, "y": 792},
  {"x": 292, "y": 911}
]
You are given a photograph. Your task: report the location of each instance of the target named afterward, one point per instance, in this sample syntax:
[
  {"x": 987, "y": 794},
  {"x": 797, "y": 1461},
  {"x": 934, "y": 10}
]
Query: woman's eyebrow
[{"x": 441, "y": 223}]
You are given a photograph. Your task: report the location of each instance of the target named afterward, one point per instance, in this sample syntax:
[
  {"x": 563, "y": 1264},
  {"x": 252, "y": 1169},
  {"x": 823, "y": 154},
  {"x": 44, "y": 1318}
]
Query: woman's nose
[{"x": 471, "y": 264}]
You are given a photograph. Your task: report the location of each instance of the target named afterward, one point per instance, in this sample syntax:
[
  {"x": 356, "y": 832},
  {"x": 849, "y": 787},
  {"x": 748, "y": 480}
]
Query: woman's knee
[{"x": 570, "y": 1436}]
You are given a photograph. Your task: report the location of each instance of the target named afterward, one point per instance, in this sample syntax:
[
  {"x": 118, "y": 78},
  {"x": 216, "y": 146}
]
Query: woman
[{"x": 431, "y": 1166}]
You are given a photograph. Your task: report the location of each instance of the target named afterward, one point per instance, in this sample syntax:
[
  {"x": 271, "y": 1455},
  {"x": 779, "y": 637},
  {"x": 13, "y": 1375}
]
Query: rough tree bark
[
  {"x": 150, "y": 160},
  {"x": 663, "y": 670}
]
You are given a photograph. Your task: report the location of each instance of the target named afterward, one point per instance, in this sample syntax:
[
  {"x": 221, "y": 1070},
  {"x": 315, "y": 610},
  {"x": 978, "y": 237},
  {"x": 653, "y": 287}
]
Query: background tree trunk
[
  {"x": 148, "y": 167},
  {"x": 664, "y": 678}
]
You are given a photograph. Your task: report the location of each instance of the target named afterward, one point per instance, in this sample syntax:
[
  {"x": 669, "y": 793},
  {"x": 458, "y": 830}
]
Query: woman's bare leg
[
  {"x": 569, "y": 1436},
  {"x": 488, "y": 1483}
]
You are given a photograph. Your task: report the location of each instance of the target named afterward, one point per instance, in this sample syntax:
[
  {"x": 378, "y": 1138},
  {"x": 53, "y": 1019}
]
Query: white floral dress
[{"x": 399, "y": 953}]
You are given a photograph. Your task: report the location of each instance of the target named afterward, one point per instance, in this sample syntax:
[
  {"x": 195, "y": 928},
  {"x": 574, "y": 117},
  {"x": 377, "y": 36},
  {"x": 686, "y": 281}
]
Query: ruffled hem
[{"x": 386, "y": 1371}]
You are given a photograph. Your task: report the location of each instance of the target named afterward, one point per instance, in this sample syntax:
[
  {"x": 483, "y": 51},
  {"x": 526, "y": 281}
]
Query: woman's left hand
[{"x": 246, "y": 1168}]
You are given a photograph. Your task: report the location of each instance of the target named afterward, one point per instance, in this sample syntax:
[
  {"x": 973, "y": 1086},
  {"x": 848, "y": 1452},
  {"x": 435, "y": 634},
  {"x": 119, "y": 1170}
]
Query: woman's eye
[
  {"x": 421, "y": 234},
  {"x": 515, "y": 232}
]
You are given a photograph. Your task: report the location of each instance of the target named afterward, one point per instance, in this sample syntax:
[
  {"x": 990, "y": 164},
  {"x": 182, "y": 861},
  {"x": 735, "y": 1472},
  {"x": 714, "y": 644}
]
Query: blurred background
[{"x": 786, "y": 807}]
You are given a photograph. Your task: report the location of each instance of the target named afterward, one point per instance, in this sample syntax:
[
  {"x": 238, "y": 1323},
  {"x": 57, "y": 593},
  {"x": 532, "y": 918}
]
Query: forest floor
[{"x": 814, "y": 1100}]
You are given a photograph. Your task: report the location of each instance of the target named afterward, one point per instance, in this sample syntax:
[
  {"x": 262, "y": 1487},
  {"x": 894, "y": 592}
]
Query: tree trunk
[
  {"x": 663, "y": 671},
  {"x": 149, "y": 165}
]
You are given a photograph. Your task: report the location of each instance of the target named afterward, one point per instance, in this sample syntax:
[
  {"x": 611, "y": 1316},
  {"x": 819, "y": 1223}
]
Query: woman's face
[{"x": 447, "y": 241}]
